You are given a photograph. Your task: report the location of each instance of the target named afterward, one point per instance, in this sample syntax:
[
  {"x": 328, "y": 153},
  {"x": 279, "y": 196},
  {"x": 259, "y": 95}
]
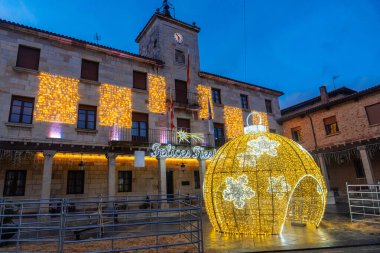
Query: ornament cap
[{"x": 256, "y": 127}]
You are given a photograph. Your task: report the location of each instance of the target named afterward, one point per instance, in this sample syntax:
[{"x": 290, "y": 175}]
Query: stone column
[
  {"x": 111, "y": 157},
  {"x": 330, "y": 194},
  {"x": 47, "y": 172},
  {"x": 367, "y": 166},
  {"x": 162, "y": 180},
  {"x": 202, "y": 172},
  {"x": 46, "y": 179}
]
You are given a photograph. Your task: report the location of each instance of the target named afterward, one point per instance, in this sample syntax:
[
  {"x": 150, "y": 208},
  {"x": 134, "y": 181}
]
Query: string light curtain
[
  {"x": 233, "y": 118},
  {"x": 57, "y": 99},
  {"x": 257, "y": 180},
  {"x": 157, "y": 94},
  {"x": 204, "y": 96},
  {"x": 264, "y": 119},
  {"x": 115, "y": 106}
]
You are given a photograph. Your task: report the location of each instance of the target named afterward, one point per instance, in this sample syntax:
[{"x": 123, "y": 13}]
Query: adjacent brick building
[
  {"x": 341, "y": 129},
  {"x": 73, "y": 113}
]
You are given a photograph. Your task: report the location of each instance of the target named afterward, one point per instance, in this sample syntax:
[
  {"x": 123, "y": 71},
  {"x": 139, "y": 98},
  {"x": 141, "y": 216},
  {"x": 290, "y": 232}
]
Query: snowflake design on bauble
[
  {"x": 263, "y": 145},
  {"x": 278, "y": 186},
  {"x": 255, "y": 148},
  {"x": 238, "y": 191}
]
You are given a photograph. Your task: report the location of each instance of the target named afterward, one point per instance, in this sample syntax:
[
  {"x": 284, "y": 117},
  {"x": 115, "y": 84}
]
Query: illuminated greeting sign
[{"x": 166, "y": 151}]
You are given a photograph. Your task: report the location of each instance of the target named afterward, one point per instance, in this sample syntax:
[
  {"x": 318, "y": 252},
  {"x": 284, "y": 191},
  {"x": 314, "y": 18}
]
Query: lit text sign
[{"x": 169, "y": 151}]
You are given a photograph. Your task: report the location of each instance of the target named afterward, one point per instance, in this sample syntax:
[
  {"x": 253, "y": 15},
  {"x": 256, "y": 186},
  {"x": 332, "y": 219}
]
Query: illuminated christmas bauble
[{"x": 257, "y": 181}]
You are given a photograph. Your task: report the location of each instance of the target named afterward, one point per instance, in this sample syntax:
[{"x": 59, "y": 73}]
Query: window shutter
[
  {"x": 28, "y": 57},
  {"x": 90, "y": 70},
  {"x": 139, "y": 80},
  {"x": 183, "y": 123},
  {"x": 139, "y": 117},
  {"x": 329, "y": 120},
  {"x": 373, "y": 114}
]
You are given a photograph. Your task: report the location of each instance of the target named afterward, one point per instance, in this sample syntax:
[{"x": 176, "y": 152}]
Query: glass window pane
[
  {"x": 143, "y": 125},
  {"x": 28, "y": 104},
  {"x": 27, "y": 111},
  {"x": 90, "y": 125},
  {"x": 16, "y": 109},
  {"x": 90, "y": 117},
  {"x": 17, "y": 102},
  {"x": 81, "y": 124},
  {"x": 27, "y": 119},
  {"x": 15, "y": 118}
]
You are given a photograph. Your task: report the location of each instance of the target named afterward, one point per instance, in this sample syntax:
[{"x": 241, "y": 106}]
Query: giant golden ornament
[{"x": 257, "y": 181}]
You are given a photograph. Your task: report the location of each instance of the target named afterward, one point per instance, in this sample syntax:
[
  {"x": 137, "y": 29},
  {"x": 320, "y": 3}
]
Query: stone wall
[{"x": 352, "y": 122}]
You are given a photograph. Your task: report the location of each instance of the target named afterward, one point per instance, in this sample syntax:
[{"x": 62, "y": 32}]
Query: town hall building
[{"x": 78, "y": 119}]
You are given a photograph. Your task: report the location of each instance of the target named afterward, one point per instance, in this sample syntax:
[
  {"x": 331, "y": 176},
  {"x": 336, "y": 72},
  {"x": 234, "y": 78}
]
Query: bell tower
[{"x": 172, "y": 41}]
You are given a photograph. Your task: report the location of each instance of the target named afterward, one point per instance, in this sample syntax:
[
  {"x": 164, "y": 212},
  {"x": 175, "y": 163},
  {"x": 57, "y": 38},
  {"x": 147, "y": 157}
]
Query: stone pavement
[{"x": 336, "y": 230}]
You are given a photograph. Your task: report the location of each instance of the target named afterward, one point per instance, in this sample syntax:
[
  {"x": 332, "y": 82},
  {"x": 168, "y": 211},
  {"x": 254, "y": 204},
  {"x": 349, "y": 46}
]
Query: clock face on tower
[{"x": 178, "y": 38}]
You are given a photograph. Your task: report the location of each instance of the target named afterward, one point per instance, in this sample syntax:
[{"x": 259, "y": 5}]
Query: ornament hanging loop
[
  {"x": 255, "y": 127},
  {"x": 257, "y": 114}
]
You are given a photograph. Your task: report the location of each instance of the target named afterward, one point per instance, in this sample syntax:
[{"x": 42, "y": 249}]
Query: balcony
[
  {"x": 188, "y": 100},
  {"x": 127, "y": 136}
]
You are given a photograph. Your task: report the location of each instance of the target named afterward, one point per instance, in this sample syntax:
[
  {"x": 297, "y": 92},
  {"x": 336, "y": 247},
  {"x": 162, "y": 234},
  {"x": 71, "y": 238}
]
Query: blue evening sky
[{"x": 292, "y": 45}]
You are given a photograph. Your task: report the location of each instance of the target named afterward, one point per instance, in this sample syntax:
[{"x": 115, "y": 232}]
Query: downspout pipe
[{"x": 312, "y": 128}]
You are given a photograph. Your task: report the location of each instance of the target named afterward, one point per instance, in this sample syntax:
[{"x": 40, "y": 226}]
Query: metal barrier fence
[
  {"x": 364, "y": 202},
  {"x": 115, "y": 224}
]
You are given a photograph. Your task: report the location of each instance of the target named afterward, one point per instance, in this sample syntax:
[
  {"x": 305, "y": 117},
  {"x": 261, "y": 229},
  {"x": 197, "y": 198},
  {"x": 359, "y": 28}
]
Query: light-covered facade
[{"x": 73, "y": 113}]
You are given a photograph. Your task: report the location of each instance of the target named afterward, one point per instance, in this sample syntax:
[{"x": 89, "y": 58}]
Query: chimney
[{"x": 324, "y": 96}]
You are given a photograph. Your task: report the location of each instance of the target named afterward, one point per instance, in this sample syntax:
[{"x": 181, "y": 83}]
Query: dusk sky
[{"x": 294, "y": 46}]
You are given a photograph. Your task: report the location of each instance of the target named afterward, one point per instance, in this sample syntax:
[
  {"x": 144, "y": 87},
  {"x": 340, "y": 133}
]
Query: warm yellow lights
[
  {"x": 57, "y": 99},
  {"x": 264, "y": 119},
  {"x": 157, "y": 94},
  {"x": 233, "y": 118},
  {"x": 115, "y": 106},
  {"x": 259, "y": 180},
  {"x": 204, "y": 98}
]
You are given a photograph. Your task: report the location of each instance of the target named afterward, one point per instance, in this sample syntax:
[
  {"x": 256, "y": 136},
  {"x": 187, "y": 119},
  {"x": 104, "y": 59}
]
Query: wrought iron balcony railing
[
  {"x": 187, "y": 99},
  {"x": 150, "y": 136}
]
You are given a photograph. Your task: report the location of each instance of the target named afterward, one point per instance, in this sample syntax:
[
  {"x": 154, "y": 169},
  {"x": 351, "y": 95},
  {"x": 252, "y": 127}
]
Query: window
[
  {"x": 14, "y": 184},
  {"x": 197, "y": 179},
  {"x": 21, "y": 110},
  {"x": 331, "y": 126},
  {"x": 216, "y": 96},
  {"x": 139, "y": 80},
  {"x": 183, "y": 124},
  {"x": 179, "y": 57},
  {"x": 244, "y": 101},
  {"x": 181, "y": 92},
  {"x": 219, "y": 134},
  {"x": 268, "y": 105},
  {"x": 139, "y": 127},
  {"x": 87, "y": 117},
  {"x": 125, "y": 181},
  {"x": 28, "y": 57},
  {"x": 359, "y": 168},
  {"x": 75, "y": 182},
  {"x": 296, "y": 134},
  {"x": 90, "y": 70},
  {"x": 373, "y": 114}
]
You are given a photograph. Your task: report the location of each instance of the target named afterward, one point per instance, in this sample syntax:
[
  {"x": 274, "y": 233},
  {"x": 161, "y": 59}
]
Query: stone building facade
[
  {"x": 341, "y": 129},
  {"x": 73, "y": 114}
]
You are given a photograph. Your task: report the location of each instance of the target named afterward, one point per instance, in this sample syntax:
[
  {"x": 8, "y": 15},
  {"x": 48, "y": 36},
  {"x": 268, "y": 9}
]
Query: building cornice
[
  {"x": 168, "y": 19},
  {"x": 255, "y": 87},
  {"x": 66, "y": 40}
]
